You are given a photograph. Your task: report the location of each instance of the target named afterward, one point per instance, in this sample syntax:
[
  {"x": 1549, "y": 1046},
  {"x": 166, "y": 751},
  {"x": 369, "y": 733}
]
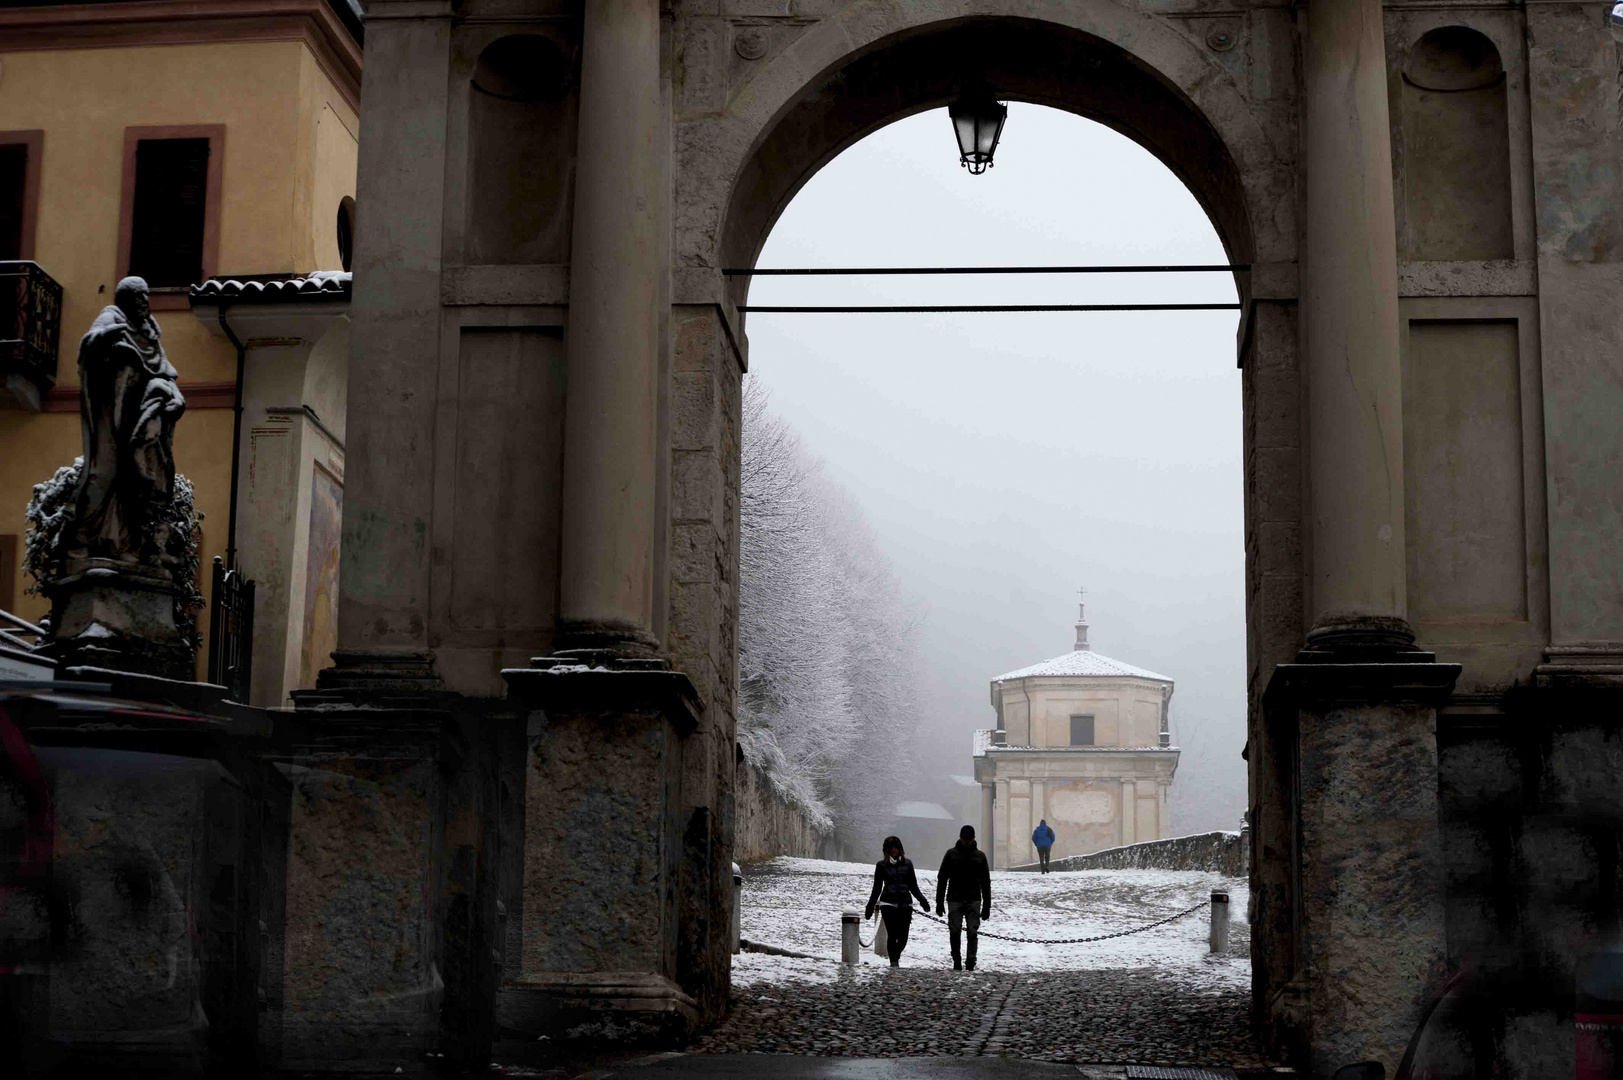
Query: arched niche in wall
[
  {"x": 522, "y": 155},
  {"x": 1455, "y": 161}
]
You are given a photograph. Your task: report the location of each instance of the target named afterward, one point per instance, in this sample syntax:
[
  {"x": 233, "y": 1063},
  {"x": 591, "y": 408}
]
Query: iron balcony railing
[
  {"x": 231, "y": 632},
  {"x": 30, "y": 324}
]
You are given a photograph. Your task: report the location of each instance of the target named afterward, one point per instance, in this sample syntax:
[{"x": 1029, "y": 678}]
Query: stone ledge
[
  {"x": 578, "y": 688},
  {"x": 534, "y": 999},
  {"x": 1422, "y": 683}
]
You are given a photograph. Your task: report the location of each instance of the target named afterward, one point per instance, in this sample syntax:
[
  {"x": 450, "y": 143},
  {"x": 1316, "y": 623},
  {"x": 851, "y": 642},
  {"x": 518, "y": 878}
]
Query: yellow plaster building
[
  {"x": 179, "y": 140},
  {"x": 1081, "y": 741}
]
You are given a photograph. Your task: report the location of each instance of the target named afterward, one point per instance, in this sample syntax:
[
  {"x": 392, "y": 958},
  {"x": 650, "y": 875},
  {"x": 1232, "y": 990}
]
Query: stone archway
[
  {"x": 540, "y": 519},
  {"x": 1158, "y": 82}
]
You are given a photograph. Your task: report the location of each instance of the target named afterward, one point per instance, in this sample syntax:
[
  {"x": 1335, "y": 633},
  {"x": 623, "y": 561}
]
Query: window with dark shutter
[
  {"x": 13, "y": 198},
  {"x": 1081, "y": 731},
  {"x": 171, "y": 203}
]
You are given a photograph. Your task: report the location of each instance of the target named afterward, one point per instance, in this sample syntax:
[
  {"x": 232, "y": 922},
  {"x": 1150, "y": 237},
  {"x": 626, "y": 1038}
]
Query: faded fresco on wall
[
  {"x": 321, "y": 575},
  {"x": 1083, "y": 815}
]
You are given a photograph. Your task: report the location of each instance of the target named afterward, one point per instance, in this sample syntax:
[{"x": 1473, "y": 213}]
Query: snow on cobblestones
[
  {"x": 796, "y": 904},
  {"x": 1153, "y": 998}
]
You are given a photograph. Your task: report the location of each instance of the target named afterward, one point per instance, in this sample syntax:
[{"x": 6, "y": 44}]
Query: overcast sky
[{"x": 1006, "y": 460}]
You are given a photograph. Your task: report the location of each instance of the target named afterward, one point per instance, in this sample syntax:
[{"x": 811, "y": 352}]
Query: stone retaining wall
[
  {"x": 1215, "y": 852},
  {"x": 765, "y": 825}
]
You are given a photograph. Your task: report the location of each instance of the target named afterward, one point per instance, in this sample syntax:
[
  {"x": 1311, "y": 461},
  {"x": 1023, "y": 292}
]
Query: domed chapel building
[{"x": 1082, "y": 741}]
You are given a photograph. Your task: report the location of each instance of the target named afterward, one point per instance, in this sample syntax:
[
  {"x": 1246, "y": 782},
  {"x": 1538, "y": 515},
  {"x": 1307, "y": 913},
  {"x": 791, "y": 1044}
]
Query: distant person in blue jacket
[{"x": 1043, "y": 837}]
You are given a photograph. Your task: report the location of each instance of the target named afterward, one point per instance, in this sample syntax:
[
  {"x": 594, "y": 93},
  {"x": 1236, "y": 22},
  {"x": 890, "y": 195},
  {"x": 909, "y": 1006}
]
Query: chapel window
[
  {"x": 170, "y": 211},
  {"x": 1081, "y": 731}
]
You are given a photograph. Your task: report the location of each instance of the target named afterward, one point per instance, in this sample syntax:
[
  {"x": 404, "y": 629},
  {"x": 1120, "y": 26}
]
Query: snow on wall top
[
  {"x": 933, "y": 811},
  {"x": 1084, "y": 663}
]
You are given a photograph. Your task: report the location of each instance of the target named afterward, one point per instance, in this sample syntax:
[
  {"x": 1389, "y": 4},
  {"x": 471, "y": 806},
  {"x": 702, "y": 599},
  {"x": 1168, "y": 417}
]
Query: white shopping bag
[{"x": 879, "y": 940}]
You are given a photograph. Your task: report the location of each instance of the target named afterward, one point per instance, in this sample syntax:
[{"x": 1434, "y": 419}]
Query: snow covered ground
[{"x": 796, "y": 904}]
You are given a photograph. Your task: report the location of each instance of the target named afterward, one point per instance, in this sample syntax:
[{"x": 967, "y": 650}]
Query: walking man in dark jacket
[
  {"x": 1042, "y": 838},
  {"x": 966, "y": 881}
]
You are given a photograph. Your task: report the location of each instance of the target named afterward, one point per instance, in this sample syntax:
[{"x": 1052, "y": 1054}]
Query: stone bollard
[
  {"x": 850, "y": 938},
  {"x": 1220, "y": 922},
  {"x": 738, "y": 907}
]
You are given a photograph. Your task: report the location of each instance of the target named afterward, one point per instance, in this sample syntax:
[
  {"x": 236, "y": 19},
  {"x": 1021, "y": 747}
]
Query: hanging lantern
[{"x": 977, "y": 121}]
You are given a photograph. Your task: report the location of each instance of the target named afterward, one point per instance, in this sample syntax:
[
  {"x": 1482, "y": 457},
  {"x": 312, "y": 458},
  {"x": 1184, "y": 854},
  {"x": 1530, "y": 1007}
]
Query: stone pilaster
[
  {"x": 1039, "y": 801},
  {"x": 383, "y": 622},
  {"x": 606, "y": 581},
  {"x": 1349, "y": 311},
  {"x": 986, "y": 836},
  {"x": 1001, "y": 852}
]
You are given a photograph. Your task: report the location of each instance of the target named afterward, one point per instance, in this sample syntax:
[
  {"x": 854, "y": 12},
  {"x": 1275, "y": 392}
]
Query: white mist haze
[{"x": 1004, "y": 460}]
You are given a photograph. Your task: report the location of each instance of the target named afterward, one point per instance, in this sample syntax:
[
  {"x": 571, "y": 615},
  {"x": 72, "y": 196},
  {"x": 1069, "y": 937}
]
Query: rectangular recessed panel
[
  {"x": 1162, "y": 1072},
  {"x": 1462, "y": 450}
]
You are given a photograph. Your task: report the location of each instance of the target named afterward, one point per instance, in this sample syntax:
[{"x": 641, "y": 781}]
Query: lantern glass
[{"x": 977, "y": 122}]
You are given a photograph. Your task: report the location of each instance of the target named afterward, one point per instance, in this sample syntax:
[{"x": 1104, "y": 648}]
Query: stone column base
[
  {"x": 542, "y": 1002},
  {"x": 364, "y": 676},
  {"x": 596, "y": 928},
  {"x": 1367, "y": 879}
]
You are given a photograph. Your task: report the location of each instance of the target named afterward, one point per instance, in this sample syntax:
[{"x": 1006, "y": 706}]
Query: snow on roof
[
  {"x": 934, "y": 811},
  {"x": 317, "y": 285},
  {"x": 965, "y": 781},
  {"x": 1084, "y": 662},
  {"x": 983, "y": 739}
]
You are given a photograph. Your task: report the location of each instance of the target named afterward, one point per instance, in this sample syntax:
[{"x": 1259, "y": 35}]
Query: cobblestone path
[{"x": 1082, "y": 1017}]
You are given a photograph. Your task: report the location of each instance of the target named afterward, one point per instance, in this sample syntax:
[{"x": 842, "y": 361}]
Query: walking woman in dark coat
[{"x": 894, "y": 886}]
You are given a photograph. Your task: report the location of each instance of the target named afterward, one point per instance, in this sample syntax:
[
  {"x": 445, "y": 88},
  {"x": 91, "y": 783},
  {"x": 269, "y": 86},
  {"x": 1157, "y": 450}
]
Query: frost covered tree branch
[{"x": 827, "y": 645}]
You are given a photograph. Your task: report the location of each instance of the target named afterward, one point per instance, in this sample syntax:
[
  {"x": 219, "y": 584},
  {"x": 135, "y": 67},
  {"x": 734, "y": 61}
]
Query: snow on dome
[{"x": 1081, "y": 663}]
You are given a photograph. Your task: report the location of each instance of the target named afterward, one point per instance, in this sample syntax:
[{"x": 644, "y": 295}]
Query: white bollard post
[
  {"x": 738, "y": 907},
  {"x": 1220, "y": 922},
  {"x": 850, "y": 938}
]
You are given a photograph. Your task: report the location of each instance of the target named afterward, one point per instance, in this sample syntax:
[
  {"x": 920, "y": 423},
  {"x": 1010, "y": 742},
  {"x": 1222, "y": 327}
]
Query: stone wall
[
  {"x": 1217, "y": 852},
  {"x": 766, "y": 826}
]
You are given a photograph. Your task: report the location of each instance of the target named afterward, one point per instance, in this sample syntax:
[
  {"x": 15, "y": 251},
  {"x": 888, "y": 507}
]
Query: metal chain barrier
[{"x": 1080, "y": 940}]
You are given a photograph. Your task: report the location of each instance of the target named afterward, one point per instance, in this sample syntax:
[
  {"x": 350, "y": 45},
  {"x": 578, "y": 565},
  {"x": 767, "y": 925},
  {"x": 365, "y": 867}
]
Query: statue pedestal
[{"x": 118, "y": 615}]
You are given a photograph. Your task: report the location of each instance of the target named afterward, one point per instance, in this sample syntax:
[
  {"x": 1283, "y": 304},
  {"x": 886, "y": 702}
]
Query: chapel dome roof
[{"x": 1081, "y": 662}]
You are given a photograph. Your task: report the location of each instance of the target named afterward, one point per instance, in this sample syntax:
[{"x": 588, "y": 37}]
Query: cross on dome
[{"x": 1081, "y": 623}]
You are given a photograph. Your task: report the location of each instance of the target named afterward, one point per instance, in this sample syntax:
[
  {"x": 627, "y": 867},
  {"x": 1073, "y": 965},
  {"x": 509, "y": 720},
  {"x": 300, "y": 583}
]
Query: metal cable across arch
[{"x": 1080, "y": 940}]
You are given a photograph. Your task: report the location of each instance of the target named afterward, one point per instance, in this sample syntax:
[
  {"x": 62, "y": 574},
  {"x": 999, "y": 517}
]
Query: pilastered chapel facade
[{"x": 1082, "y": 742}]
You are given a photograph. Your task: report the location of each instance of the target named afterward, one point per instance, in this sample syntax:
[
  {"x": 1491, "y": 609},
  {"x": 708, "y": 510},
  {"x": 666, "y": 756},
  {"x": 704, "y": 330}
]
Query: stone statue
[
  {"x": 113, "y": 538},
  {"x": 128, "y": 406}
]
